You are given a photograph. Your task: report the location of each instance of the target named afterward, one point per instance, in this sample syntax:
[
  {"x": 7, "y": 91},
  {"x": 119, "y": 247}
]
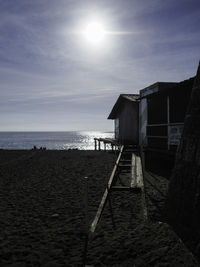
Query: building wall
[
  {"x": 128, "y": 122},
  {"x": 161, "y": 118},
  {"x": 143, "y": 113},
  {"x": 157, "y": 123},
  {"x": 143, "y": 122},
  {"x": 117, "y": 128}
]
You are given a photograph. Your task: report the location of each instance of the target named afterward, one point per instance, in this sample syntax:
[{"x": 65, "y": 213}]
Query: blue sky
[{"x": 51, "y": 79}]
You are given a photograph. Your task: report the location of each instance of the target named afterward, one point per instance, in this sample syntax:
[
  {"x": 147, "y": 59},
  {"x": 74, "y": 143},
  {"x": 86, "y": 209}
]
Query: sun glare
[{"x": 94, "y": 33}]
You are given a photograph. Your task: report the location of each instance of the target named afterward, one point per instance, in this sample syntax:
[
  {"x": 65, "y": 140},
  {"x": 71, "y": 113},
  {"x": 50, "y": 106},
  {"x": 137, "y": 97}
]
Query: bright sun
[{"x": 94, "y": 33}]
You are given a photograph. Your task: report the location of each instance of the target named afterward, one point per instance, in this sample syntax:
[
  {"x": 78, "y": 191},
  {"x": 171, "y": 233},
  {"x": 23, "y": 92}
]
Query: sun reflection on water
[{"x": 83, "y": 140}]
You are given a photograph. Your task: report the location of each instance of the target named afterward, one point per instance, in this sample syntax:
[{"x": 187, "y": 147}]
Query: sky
[{"x": 53, "y": 79}]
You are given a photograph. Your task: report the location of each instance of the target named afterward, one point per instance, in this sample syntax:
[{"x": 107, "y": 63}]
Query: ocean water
[{"x": 51, "y": 140}]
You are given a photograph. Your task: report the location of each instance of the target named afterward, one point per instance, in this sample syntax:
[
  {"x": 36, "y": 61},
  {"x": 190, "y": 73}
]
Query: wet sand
[{"x": 42, "y": 214}]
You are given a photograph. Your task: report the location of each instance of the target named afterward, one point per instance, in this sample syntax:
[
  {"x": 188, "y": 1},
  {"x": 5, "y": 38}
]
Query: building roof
[
  {"x": 186, "y": 84},
  {"x": 121, "y": 99},
  {"x": 158, "y": 86},
  {"x": 166, "y": 87}
]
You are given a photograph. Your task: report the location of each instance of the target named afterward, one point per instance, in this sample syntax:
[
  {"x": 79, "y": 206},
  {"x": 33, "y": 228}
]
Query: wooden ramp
[
  {"x": 105, "y": 195},
  {"x": 127, "y": 175}
]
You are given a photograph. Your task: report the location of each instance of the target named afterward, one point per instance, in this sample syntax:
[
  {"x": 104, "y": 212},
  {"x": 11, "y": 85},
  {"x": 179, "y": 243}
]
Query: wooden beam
[
  {"x": 140, "y": 182},
  {"x": 165, "y": 124},
  {"x": 124, "y": 165},
  {"x": 129, "y": 151},
  {"x": 95, "y": 144},
  {"x": 99, "y": 145},
  {"x": 105, "y": 195},
  {"x": 125, "y": 188},
  {"x": 115, "y": 168},
  {"x": 133, "y": 170}
]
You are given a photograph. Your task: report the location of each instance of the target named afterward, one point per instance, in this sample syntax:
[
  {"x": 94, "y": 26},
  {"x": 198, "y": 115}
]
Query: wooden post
[
  {"x": 95, "y": 144},
  {"x": 86, "y": 202},
  {"x": 86, "y": 227},
  {"x": 99, "y": 145},
  {"x": 168, "y": 122},
  {"x": 104, "y": 146}
]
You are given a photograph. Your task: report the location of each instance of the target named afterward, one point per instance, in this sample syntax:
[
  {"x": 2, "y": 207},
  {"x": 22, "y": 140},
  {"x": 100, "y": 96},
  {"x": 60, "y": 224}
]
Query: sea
[{"x": 82, "y": 140}]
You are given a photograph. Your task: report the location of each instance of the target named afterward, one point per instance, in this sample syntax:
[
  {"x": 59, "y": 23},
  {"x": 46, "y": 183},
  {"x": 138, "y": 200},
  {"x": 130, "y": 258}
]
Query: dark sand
[{"x": 42, "y": 214}]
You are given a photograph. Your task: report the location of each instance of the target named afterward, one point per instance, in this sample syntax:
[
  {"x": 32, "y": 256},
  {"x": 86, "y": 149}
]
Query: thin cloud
[{"x": 46, "y": 70}]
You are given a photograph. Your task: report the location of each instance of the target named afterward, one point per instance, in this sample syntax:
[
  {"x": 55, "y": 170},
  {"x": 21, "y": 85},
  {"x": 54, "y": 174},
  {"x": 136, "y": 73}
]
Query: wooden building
[
  {"x": 154, "y": 119},
  {"x": 162, "y": 111},
  {"x": 125, "y": 114}
]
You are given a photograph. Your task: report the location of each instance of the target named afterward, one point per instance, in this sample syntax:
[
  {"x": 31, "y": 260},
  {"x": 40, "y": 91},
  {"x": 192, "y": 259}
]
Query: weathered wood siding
[
  {"x": 117, "y": 128},
  {"x": 128, "y": 122},
  {"x": 143, "y": 121},
  {"x": 162, "y": 115}
]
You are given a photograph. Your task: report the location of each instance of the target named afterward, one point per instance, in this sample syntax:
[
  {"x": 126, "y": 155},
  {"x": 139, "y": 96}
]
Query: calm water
[{"x": 50, "y": 140}]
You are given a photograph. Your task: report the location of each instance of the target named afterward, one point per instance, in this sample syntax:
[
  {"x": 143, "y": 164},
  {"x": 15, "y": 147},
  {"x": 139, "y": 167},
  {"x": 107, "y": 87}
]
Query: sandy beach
[{"x": 42, "y": 214}]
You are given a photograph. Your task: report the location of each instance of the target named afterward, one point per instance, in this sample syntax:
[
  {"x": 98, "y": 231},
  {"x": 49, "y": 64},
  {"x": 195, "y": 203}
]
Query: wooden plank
[
  {"x": 139, "y": 174},
  {"x": 105, "y": 195},
  {"x": 165, "y": 124},
  {"x": 125, "y": 188},
  {"x": 99, "y": 212},
  {"x": 140, "y": 182},
  {"x": 157, "y": 136},
  {"x": 133, "y": 170},
  {"x": 130, "y": 151},
  {"x": 115, "y": 168},
  {"x": 124, "y": 165}
]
